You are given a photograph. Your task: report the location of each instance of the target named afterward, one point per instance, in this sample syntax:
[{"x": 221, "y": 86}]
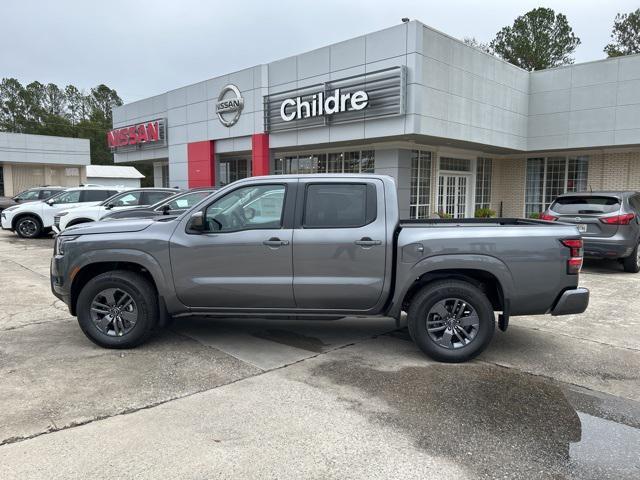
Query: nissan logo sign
[{"x": 229, "y": 106}]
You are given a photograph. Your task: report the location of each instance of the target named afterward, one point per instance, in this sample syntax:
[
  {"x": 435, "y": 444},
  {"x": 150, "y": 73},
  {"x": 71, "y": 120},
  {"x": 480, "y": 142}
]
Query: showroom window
[
  {"x": 548, "y": 177},
  {"x": 339, "y": 162},
  {"x": 484, "y": 167},
  {"x": 1, "y": 181},
  {"x": 165, "y": 175},
  {"x": 420, "y": 199},
  {"x": 455, "y": 164}
]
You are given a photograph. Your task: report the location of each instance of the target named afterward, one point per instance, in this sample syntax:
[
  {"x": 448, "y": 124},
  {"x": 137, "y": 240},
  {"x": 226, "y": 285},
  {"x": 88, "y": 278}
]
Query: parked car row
[{"x": 68, "y": 207}]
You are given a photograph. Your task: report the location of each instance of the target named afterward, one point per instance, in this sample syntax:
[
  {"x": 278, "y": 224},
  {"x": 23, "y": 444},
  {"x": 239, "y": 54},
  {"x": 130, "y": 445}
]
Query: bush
[
  {"x": 485, "y": 213},
  {"x": 442, "y": 214},
  {"x": 535, "y": 216}
]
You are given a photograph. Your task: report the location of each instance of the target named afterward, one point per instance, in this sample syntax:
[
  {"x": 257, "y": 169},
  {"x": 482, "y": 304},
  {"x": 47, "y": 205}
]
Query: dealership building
[
  {"x": 457, "y": 128},
  {"x": 35, "y": 160}
]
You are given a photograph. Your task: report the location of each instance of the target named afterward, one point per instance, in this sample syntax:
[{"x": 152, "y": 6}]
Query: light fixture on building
[{"x": 405, "y": 19}]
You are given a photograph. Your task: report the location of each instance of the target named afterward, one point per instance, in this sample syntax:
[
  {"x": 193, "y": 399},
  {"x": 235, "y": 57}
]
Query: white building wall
[
  {"x": 43, "y": 149},
  {"x": 586, "y": 105}
]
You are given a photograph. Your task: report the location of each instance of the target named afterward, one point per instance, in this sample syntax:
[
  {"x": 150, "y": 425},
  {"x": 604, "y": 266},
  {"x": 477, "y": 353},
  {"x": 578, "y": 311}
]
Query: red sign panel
[{"x": 148, "y": 133}]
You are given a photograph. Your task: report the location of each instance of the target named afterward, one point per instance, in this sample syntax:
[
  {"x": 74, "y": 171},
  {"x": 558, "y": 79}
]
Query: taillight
[
  {"x": 618, "y": 219},
  {"x": 574, "y": 264},
  {"x": 546, "y": 216}
]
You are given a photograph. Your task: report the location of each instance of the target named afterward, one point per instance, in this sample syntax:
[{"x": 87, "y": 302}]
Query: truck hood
[{"x": 121, "y": 226}]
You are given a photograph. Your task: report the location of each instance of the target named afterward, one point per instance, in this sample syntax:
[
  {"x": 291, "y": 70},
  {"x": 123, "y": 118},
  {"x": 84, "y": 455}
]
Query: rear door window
[
  {"x": 585, "y": 205},
  {"x": 96, "y": 195},
  {"x": 339, "y": 205}
]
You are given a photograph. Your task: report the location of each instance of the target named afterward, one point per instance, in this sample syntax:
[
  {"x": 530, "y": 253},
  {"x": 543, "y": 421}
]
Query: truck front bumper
[{"x": 571, "y": 302}]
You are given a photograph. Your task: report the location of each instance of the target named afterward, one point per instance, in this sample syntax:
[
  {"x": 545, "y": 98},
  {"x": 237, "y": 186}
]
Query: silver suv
[{"x": 609, "y": 223}]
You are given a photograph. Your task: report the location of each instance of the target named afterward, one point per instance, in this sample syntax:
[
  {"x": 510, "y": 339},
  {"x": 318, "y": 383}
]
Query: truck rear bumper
[{"x": 571, "y": 302}]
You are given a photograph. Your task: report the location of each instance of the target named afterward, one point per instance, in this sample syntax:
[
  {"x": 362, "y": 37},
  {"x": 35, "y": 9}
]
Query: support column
[
  {"x": 397, "y": 164},
  {"x": 201, "y": 161},
  {"x": 260, "y": 159}
]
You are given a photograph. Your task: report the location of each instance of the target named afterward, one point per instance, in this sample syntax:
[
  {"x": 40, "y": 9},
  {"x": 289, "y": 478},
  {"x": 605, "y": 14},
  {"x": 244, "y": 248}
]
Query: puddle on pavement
[{"x": 500, "y": 423}]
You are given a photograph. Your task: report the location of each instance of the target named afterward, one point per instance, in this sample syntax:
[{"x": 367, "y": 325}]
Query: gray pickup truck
[{"x": 317, "y": 247}]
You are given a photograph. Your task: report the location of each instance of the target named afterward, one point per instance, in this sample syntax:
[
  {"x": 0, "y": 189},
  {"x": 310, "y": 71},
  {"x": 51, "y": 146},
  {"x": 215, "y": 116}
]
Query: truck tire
[
  {"x": 631, "y": 263},
  {"x": 451, "y": 321},
  {"x": 117, "y": 309},
  {"x": 28, "y": 227}
]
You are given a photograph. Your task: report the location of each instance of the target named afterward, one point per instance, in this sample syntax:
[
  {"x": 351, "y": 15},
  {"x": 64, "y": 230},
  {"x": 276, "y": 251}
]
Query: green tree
[
  {"x": 537, "y": 40},
  {"x": 12, "y": 105},
  {"x": 625, "y": 35},
  {"x": 103, "y": 99}
]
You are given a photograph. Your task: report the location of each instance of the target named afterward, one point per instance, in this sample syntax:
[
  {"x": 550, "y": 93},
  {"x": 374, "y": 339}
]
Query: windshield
[
  {"x": 27, "y": 195},
  {"x": 114, "y": 199},
  {"x": 584, "y": 205},
  {"x": 185, "y": 200}
]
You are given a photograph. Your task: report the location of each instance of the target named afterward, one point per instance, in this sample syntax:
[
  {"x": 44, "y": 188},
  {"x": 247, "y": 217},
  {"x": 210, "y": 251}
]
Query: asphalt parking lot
[{"x": 551, "y": 398}]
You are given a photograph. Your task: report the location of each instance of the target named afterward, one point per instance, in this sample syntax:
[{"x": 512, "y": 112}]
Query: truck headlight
[{"x": 61, "y": 241}]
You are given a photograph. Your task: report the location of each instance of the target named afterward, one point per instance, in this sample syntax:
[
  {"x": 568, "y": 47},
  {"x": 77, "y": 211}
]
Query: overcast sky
[{"x": 145, "y": 47}]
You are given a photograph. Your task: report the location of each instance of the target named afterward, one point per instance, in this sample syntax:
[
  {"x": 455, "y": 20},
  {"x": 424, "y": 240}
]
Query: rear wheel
[
  {"x": 631, "y": 263},
  {"x": 117, "y": 309},
  {"x": 28, "y": 227},
  {"x": 451, "y": 321}
]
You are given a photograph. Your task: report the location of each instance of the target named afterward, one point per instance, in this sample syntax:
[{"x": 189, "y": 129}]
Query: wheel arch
[
  {"x": 14, "y": 220},
  {"x": 105, "y": 261},
  {"x": 485, "y": 272}
]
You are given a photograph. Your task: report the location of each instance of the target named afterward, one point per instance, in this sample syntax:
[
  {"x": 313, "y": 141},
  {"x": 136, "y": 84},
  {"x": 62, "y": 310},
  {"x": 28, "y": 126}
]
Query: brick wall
[
  {"x": 607, "y": 171},
  {"x": 507, "y": 186}
]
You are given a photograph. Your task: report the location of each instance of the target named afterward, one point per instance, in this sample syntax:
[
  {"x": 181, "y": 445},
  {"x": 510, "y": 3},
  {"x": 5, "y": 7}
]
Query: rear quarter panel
[{"x": 529, "y": 261}]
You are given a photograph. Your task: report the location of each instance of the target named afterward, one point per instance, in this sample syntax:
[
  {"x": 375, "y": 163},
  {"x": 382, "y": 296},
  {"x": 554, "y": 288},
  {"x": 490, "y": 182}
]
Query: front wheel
[
  {"x": 117, "y": 309},
  {"x": 28, "y": 227},
  {"x": 631, "y": 263},
  {"x": 451, "y": 321}
]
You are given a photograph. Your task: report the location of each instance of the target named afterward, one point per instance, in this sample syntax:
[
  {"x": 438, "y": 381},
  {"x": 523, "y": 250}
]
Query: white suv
[
  {"x": 31, "y": 220},
  {"x": 93, "y": 213}
]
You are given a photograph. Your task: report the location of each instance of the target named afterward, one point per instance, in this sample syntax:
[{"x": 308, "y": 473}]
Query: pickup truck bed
[{"x": 317, "y": 246}]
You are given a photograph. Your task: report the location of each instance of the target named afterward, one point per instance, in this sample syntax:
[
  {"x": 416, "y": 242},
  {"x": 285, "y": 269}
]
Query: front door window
[{"x": 453, "y": 195}]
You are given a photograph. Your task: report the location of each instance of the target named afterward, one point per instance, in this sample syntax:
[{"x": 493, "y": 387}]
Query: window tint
[
  {"x": 635, "y": 203},
  {"x": 97, "y": 195},
  {"x": 339, "y": 205},
  {"x": 68, "y": 197},
  {"x": 149, "y": 198},
  {"x": 585, "y": 205},
  {"x": 247, "y": 208},
  {"x": 186, "y": 201}
]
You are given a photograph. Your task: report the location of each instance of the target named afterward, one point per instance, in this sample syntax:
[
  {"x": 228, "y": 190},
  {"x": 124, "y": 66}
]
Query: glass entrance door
[
  {"x": 453, "y": 195},
  {"x": 232, "y": 169}
]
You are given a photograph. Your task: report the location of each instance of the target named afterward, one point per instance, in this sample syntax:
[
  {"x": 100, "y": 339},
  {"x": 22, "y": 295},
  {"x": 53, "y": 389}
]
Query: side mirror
[
  {"x": 166, "y": 209},
  {"x": 196, "y": 223},
  {"x": 109, "y": 206},
  {"x": 50, "y": 202},
  {"x": 249, "y": 213}
]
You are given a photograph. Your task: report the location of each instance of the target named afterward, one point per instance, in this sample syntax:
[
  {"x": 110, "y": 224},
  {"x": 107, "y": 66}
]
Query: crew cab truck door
[
  {"x": 339, "y": 253},
  {"x": 242, "y": 258}
]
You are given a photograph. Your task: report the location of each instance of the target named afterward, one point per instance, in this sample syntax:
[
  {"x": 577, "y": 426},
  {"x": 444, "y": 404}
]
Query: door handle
[
  {"x": 275, "y": 242},
  {"x": 367, "y": 242}
]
